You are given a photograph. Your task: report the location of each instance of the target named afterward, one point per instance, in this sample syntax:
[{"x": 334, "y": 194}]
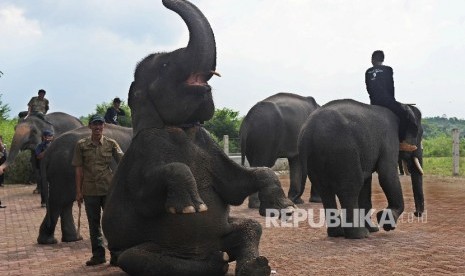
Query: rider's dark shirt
[{"x": 380, "y": 84}]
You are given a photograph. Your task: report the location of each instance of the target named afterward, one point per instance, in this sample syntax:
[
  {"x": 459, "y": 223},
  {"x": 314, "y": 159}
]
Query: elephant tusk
[
  {"x": 417, "y": 164},
  {"x": 215, "y": 73}
]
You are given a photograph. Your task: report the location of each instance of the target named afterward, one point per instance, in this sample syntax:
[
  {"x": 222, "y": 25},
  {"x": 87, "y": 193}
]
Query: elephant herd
[{"x": 168, "y": 209}]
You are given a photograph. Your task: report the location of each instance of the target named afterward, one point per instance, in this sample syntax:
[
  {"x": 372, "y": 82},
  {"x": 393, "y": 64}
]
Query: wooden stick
[{"x": 79, "y": 221}]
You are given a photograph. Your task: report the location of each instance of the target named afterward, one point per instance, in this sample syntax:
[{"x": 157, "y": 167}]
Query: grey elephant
[
  {"x": 58, "y": 173},
  {"x": 167, "y": 211},
  {"x": 270, "y": 130},
  {"x": 414, "y": 162},
  {"x": 28, "y": 132},
  {"x": 341, "y": 144}
]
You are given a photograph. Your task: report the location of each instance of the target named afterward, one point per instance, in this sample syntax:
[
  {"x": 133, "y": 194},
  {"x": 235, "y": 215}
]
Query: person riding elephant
[
  {"x": 269, "y": 131},
  {"x": 380, "y": 86},
  {"x": 341, "y": 144},
  {"x": 167, "y": 211},
  {"x": 28, "y": 132},
  {"x": 58, "y": 177}
]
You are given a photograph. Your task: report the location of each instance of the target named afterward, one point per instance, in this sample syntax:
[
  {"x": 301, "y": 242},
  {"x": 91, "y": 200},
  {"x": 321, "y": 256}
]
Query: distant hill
[{"x": 437, "y": 126}]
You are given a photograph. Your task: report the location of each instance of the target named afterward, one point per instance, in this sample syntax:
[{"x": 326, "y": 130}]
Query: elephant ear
[
  {"x": 143, "y": 112},
  {"x": 412, "y": 119}
]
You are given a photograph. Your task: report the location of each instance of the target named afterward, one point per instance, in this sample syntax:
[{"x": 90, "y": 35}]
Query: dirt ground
[{"x": 434, "y": 245}]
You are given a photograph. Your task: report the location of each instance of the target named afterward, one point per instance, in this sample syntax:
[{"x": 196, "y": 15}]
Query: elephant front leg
[
  {"x": 241, "y": 244},
  {"x": 182, "y": 194},
  {"x": 390, "y": 184},
  {"x": 146, "y": 259}
]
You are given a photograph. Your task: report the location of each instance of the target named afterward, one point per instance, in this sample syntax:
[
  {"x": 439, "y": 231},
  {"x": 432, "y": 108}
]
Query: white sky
[{"x": 83, "y": 52}]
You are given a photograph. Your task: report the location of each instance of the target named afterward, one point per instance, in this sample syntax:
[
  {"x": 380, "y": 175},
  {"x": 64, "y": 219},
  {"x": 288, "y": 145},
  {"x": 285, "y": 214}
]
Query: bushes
[
  {"x": 21, "y": 170},
  {"x": 441, "y": 146}
]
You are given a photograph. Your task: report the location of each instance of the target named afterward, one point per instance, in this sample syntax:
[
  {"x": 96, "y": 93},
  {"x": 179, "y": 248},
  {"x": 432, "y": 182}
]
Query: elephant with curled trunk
[
  {"x": 28, "y": 132},
  {"x": 167, "y": 211},
  {"x": 341, "y": 144},
  {"x": 58, "y": 175},
  {"x": 270, "y": 130}
]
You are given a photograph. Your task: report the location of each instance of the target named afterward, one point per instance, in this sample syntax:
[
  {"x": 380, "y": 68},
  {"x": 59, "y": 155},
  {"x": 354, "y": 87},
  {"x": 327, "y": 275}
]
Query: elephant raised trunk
[{"x": 201, "y": 49}]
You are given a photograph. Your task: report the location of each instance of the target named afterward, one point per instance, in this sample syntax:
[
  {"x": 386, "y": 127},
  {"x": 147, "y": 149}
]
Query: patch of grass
[{"x": 442, "y": 166}]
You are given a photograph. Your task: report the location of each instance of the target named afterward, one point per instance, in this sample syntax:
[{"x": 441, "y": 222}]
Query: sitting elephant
[
  {"x": 341, "y": 145},
  {"x": 58, "y": 174},
  {"x": 167, "y": 211}
]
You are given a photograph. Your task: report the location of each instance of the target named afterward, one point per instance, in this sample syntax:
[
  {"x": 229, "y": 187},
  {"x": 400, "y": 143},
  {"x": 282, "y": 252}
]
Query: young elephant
[
  {"x": 341, "y": 145},
  {"x": 167, "y": 212}
]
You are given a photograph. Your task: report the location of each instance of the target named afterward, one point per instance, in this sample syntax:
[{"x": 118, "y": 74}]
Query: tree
[
  {"x": 4, "y": 109},
  {"x": 224, "y": 122}
]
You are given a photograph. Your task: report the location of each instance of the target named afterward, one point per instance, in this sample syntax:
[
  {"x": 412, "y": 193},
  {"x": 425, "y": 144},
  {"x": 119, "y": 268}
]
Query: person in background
[
  {"x": 38, "y": 105},
  {"x": 3, "y": 156},
  {"x": 380, "y": 86},
  {"x": 92, "y": 159},
  {"x": 47, "y": 138},
  {"x": 111, "y": 116}
]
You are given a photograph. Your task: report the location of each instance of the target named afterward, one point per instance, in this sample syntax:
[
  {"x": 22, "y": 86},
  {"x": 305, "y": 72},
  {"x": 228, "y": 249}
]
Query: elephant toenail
[
  {"x": 188, "y": 210},
  {"x": 203, "y": 208},
  {"x": 172, "y": 210}
]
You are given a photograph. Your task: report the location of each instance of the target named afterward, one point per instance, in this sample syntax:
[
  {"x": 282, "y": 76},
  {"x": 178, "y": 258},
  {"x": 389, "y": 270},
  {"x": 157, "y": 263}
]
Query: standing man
[
  {"x": 38, "y": 105},
  {"x": 92, "y": 159},
  {"x": 111, "y": 116},
  {"x": 380, "y": 86},
  {"x": 47, "y": 138}
]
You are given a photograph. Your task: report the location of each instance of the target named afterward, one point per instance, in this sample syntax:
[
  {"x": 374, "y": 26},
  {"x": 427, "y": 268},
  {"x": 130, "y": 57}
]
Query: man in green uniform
[
  {"x": 39, "y": 104},
  {"x": 92, "y": 159}
]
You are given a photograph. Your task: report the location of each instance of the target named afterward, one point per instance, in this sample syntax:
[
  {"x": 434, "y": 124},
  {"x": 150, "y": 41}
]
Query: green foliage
[
  {"x": 21, "y": 170},
  {"x": 102, "y": 109},
  {"x": 7, "y": 130},
  {"x": 225, "y": 122},
  {"x": 442, "y": 166},
  {"x": 4, "y": 109},
  {"x": 437, "y": 126}
]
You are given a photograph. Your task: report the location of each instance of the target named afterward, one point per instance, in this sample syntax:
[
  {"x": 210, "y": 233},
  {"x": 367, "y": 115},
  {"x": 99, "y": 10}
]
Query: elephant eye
[{"x": 164, "y": 65}]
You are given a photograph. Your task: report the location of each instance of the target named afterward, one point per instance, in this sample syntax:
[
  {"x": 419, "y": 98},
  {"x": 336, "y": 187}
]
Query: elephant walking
[
  {"x": 59, "y": 177},
  {"x": 168, "y": 208},
  {"x": 341, "y": 145},
  {"x": 270, "y": 130}
]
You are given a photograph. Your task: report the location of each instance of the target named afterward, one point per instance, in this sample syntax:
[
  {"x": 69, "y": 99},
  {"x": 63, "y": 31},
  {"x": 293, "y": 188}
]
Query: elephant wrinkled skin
[
  {"x": 167, "y": 211},
  {"x": 341, "y": 145},
  {"x": 58, "y": 173},
  {"x": 270, "y": 130},
  {"x": 28, "y": 132}
]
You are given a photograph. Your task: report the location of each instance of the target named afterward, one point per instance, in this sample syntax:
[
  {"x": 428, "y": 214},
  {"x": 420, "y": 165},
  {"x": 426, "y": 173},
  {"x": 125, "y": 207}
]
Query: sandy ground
[{"x": 434, "y": 245}]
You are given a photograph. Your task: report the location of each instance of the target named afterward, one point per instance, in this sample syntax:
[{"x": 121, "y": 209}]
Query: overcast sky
[{"x": 83, "y": 52}]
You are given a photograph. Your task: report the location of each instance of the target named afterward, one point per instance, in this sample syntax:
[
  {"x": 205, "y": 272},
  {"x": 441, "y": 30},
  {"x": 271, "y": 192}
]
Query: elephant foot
[
  {"x": 46, "y": 240},
  {"x": 74, "y": 239},
  {"x": 335, "y": 232},
  {"x": 255, "y": 267},
  {"x": 386, "y": 219},
  {"x": 315, "y": 199},
  {"x": 418, "y": 214},
  {"x": 298, "y": 200},
  {"x": 356, "y": 232}
]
